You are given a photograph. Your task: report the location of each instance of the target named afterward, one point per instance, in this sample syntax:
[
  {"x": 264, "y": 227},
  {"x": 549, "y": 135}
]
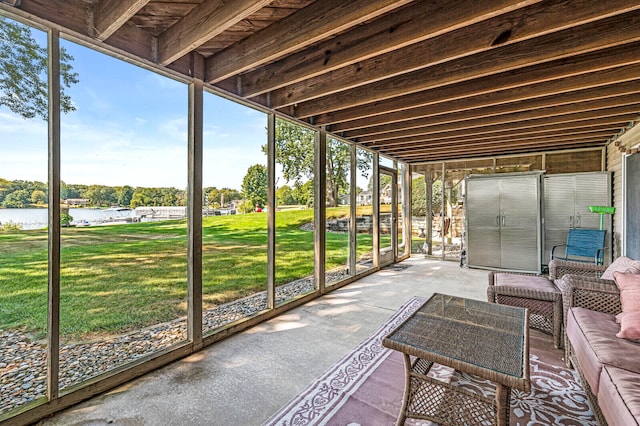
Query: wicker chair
[
  {"x": 559, "y": 268},
  {"x": 537, "y": 293}
]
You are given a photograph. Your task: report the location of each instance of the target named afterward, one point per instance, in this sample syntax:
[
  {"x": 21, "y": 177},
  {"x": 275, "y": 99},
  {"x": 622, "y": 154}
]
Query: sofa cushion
[
  {"x": 592, "y": 335},
  {"x": 621, "y": 264},
  {"x": 629, "y": 325},
  {"x": 619, "y": 396},
  {"x": 629, "y": 285}
]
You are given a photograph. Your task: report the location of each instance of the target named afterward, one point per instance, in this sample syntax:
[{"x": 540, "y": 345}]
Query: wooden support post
[
  {"x": 407, "y": 216},
  {"x": 271, "y": 211},
  {"x": 194, "y": 226},
  {"x": 444, "y": 170},
  {"x": 320, "y": 208},
  {"x": 375, "y": 205},
  {"x": 353, "y": 228},
  {"x": 428, "y": 184},
  {"x": 53, "y": 326}
]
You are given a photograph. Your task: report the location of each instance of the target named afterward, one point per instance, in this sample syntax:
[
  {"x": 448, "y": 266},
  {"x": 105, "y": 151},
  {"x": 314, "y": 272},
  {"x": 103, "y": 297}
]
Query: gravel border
[{"x": 23, "y": 364}]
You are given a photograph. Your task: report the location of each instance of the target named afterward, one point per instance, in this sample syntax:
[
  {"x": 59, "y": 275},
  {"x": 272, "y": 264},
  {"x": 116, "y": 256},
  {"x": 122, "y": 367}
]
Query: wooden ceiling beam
[
  {"x": 608, "y": 123},
  {"x": 386, "y": 131},
  {"x": 550, "y": 144},
  {"x": 622, "y": 59},
  {"x": 567, "y": 85},
  {"x": 203, "y": 23},
  {"x": 110, "y": 15},
  {"x": 526, "y": 150},
  {"x": 542, "y": 136},
  {"x": 480, "y": 127},
  {"x": 419, "y": 21},
  {"x": 488, "y": 116},
  {"x": 546, "y": 32},
  {"x": 309, "y": 25},
  {"x": 517, "y": 128},
  {"x": 595, "y": 36}
]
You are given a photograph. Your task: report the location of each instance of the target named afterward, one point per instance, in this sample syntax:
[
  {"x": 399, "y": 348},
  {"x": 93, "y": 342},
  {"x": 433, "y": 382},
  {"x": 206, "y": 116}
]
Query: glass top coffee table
[{"x": 480, "y": 338}]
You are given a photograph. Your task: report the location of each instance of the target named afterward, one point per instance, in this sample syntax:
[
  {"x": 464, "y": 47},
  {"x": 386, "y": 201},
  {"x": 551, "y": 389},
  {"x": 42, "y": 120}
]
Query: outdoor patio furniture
[
  {"x": 537, "y": 293},
  {"x": 609, "y": 366},
  {"x": 582, "y": 245},
  {"x": 462, "y": 334}
]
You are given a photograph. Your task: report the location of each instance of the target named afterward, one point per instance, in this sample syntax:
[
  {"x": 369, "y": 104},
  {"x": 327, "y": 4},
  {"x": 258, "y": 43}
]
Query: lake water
[{"x": 37, "y": 218}]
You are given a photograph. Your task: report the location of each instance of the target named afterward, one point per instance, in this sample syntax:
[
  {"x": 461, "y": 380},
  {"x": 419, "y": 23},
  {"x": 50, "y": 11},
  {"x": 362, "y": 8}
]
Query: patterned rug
[{"x": 365, "y": 389}]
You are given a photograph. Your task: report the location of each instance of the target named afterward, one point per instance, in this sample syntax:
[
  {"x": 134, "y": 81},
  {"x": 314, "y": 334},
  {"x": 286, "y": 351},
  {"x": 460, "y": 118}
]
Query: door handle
[
  {"x": 498, "y": 220},
  {"x": 571, "y": 222},
  {"x": 503, "y": 220}
]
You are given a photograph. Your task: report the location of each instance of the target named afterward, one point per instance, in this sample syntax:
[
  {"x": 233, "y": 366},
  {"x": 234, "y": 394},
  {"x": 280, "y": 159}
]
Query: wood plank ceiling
[{"x": 416, "y": 80}]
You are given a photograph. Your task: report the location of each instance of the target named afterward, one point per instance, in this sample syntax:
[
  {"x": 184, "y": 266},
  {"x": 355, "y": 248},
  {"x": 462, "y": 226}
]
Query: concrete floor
[{"x": 246, "y": 378}]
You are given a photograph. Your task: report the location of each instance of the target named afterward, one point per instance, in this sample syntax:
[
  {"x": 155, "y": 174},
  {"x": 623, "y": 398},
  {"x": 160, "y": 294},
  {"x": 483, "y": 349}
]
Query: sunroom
[{"x": 176, "y": 172}]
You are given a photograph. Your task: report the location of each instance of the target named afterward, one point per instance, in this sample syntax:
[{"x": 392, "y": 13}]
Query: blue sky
[{"x": 130, "y": 127}]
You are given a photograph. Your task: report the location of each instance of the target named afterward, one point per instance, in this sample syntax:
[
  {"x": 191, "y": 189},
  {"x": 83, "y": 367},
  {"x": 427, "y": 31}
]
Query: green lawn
[{"x": 123, "y": 277}]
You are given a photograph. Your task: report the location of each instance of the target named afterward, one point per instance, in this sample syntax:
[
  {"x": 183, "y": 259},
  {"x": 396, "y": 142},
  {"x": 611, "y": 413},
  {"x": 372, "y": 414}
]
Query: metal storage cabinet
[
  {"x": 567, "y": 198},
  {"x": 503, "y": 217}
]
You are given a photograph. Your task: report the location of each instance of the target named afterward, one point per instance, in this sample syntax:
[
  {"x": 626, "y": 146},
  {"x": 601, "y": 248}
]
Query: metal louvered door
[
  {"x": 567, "y": 198},
  {"x": 483, "y": 222},
  {"x": 503, "y": 222},
  {"x": 520, "y": 223},
  {"x": 559, "y": 211}
]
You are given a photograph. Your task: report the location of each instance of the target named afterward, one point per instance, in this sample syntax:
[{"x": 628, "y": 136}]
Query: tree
[
  {"x": 65, "y": 219},
  {"x": 303, "y": 194},
  {"x": 254, "y": 185},
  {"x": 418, "y": 204},
  {"x": 17, "y": 199},
  {"x": 38, "y": 197},
  {"x": 384, "y": 181},
  {"x": 284, "y": 196},
  {"x": 100, "y": 195},
  {"x": 124, "y": 194},
  {"x": 220, "y": 197},
  {"x": 23, "y": 72},
  {"x": 295, "y": 153}
]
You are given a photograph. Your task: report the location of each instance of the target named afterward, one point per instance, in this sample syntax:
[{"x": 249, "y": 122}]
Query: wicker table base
[
  {"x": 484, "y": 339},
  {"x": 441, "y": 402}
]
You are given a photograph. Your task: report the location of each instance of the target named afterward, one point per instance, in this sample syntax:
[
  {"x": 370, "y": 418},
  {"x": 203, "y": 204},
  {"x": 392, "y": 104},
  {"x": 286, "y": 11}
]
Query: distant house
[
  {"x": 385, "y": 194},
  {"x": 76, "y": 201},
  {"x": 364, "y": 198}
]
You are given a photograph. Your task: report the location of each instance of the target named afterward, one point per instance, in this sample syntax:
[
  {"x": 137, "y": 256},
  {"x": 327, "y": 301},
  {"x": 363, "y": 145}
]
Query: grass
[{"x": 124, "y": 277}]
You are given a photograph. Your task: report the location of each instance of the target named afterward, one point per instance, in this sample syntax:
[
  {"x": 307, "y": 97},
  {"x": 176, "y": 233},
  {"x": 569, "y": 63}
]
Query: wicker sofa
[{"x": 609, "y": 366}]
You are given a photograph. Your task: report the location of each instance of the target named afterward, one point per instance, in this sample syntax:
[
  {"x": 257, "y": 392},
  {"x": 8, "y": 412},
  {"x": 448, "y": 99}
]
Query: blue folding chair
[{"x": 583, "y": 245}]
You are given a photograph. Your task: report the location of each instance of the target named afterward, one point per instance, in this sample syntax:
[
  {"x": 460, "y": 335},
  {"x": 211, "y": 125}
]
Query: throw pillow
[
  {"x": 629, "y": 285},
  {"x": 621, "y": 264},
  {"x": 630, "y": 326}
]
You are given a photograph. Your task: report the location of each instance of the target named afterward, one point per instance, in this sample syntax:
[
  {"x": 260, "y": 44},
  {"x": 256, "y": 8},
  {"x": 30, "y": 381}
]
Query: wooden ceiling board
[{"x": 419, "y": 80}]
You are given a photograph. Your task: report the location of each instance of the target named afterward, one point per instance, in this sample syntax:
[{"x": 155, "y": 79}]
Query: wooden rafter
[
  {"x": 589, "y": 38},
  {"x": 434, "y": 104},
  {"x": 486, "y": 116},
  {"x": 610, "y": 96},
  {"x": 411, "y": 24},
  {"x": 309, "y": 25},
  {"x": 555, "y": 41},
  {"x": 203, "y": 23},
  {"x": 392, "y": 75},
  {"x": 501, "y": 130},
  {"x": 110, "y": 15}
]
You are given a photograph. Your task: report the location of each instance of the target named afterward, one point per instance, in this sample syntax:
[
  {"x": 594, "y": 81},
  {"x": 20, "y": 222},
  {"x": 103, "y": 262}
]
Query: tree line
[{"x": 25, "y": 194}]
